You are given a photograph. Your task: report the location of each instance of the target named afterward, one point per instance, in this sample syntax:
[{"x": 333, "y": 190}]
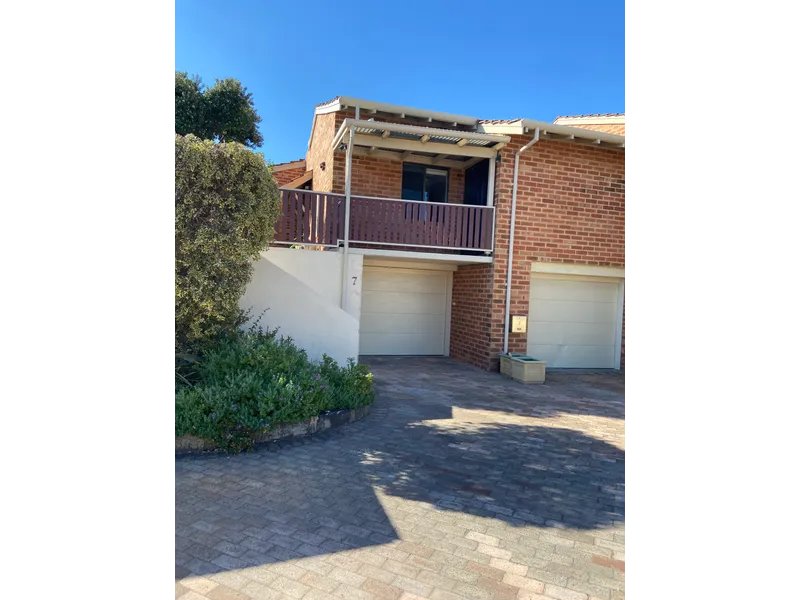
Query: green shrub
[
  {"x": 226, "y": 205},
  {"x": 250, "y": 382}
]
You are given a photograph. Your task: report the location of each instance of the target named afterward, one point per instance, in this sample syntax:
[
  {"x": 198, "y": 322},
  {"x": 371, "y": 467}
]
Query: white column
[{"x": 348, "y": 180}]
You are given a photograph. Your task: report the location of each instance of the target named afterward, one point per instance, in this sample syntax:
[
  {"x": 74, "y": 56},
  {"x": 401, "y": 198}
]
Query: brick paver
[{"x": 461, "y": 484}]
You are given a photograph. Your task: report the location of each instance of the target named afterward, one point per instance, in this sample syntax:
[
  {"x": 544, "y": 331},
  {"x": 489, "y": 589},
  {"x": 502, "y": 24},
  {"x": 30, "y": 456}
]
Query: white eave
[
  {"x": 289, "y": 165},
  {"x": 555, "y": 132},
  {"x": 367, "y": 107}
]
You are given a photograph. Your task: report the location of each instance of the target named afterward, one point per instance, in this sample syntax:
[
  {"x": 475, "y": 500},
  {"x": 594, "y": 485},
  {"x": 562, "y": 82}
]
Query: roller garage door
[
  {"x": 404, "y": 311},
  {"x": 573, "y": 321}
]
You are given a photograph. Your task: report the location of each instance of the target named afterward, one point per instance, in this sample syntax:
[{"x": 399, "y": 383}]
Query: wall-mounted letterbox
[{"x": 519, "y": 323}]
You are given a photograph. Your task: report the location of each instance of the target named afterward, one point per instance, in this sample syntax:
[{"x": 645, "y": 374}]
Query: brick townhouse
[{"x": 433, "y": 204}]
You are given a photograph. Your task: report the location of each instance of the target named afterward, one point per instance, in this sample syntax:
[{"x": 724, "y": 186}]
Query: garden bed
[
  {"x": 189, "y": 444},
  {"x": 255, "y": 387}
]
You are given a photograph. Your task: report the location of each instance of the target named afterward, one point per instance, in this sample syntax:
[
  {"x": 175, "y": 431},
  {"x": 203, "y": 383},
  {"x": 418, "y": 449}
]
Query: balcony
[{"x": 312, "y": 218}]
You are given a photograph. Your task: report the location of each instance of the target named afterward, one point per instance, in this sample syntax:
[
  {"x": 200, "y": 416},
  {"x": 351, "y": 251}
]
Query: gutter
[{"x": 511, "y": 236}]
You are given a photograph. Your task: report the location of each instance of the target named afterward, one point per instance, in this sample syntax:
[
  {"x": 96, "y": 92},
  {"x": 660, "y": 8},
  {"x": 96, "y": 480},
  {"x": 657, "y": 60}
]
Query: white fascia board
[
  {"x": 525, "y": 126},
  {"x": 345, "y": 101},
  {"x": 585, "y": 134},
  {"x": 301, "y": 162},
  {"x": 311, "y": 135},
  {"x": 433, "y": 147},
  {"x": 419, "y": 256},
  {"x": 514, "y": 128}
]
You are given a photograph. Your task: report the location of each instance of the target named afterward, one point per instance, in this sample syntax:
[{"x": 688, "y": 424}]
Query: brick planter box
[
  {"x": 188, "y": 444},
  {"x": 524, "y": 369}
]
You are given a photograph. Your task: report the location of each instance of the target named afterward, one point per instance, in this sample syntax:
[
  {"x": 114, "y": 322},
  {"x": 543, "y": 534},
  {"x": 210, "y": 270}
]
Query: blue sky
[{"x": 491, "y": 60}]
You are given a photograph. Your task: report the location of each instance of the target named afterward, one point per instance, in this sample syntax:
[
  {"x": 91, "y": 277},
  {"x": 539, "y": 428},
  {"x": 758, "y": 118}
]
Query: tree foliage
[
  {"x": 224, "y": 112},
  {"x": 226, "y": 205}
]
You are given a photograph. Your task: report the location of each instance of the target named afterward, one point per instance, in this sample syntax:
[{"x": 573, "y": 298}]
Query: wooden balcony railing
[
  {"x": 307, "y": 217},
  {"x": 317, "y": 218}
]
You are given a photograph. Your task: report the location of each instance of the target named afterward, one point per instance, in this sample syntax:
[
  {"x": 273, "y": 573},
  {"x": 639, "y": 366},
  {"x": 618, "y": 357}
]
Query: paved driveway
[{"x": 460, "y": 484}]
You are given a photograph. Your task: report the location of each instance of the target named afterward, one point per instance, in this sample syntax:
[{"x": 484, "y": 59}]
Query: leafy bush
[
  {"x": 250, "y": 382},
  {"x": 226, "y": 205}
]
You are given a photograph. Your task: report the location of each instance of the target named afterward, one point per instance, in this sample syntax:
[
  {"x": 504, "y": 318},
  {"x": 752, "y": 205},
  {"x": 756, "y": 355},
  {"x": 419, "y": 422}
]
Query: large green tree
[{"x": 223, "y": 112}]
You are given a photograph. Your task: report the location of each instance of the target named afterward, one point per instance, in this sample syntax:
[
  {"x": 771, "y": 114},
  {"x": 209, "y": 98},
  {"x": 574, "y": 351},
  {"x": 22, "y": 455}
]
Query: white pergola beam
[
  {"x": 395, "y": 157},
  {"x": 472, "y": 161},
  {"x": 420, "y": 130},
  {"x": 439, "y": 148}
]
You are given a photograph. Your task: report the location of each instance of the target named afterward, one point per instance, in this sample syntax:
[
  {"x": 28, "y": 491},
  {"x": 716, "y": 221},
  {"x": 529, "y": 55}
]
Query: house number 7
[{"x": 354, "y": 280}]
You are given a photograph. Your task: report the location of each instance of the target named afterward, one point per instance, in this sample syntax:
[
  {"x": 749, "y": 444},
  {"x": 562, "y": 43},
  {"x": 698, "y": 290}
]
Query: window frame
[{"x": 424, "y": 169}]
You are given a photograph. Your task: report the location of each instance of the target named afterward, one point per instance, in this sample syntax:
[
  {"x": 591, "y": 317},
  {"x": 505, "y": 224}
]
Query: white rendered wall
[{"x": 302, "y": 291}]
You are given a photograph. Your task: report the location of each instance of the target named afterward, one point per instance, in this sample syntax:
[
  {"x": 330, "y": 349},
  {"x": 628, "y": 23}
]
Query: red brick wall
[
  {"x": 570, "y": 209},
  {"x": 470, "y": 314},
  {"x": 284, "y": 176},
  {"x": 320, "y": 156},
  {"x": 375, "y": 177}
]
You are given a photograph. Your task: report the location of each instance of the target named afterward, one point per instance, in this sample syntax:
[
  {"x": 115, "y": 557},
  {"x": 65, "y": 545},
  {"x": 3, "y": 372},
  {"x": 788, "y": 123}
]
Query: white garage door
[
  {"x": 572, "y": 321},
  {"x": 403, "y": 311}
]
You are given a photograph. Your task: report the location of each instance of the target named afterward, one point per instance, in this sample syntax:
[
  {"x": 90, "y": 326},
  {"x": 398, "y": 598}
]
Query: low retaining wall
[{"x": 188, "y": 443}]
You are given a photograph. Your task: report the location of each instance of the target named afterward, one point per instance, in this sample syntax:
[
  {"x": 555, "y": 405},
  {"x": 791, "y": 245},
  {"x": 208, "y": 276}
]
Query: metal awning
[{"x": 445, "y": 147}]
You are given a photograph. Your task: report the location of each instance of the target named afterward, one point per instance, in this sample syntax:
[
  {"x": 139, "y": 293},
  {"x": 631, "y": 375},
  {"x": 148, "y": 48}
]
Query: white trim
[
  {"x": 362, "y": 139},
  {"x": 395, "y": 263},
  {"x": 573, "y": 269},
  {"x": 512, "y": 128},
  {"x": 447, "y": 309},
  {"x": 618, "y": 333},
  {"x": 524, "y": 126},
  {"x": 300, "y": 162},
  {"x": 347, "y": 190},
  {"x": 421, "y": 256},
  {"x": 405, "y": 266},
  {"x": 344, "y": 101},
  {"x": 406, "y": 245},
  {"x": 490, "y": 184},
  {"x": 613, "y": 120}
]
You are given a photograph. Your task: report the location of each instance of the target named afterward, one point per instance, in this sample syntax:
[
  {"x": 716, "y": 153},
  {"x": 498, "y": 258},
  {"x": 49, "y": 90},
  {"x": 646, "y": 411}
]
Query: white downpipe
[
  {"x": 511, "y": 236},
  {"x": 347, "y": 184}
]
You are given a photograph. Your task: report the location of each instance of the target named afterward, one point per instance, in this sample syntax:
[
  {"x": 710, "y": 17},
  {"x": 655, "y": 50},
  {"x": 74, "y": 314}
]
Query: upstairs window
[{"x": 424, "y": 183}]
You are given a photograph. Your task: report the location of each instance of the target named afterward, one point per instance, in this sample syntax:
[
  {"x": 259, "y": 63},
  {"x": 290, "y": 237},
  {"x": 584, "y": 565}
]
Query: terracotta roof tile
[
  {"x": 497, "y": 121},
  {"x": 592, "y": 116},
  {"x": 328, "y": 102}
]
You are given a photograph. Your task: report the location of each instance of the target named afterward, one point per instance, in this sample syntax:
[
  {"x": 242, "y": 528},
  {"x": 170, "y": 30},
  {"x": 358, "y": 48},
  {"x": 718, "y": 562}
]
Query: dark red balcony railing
[{"x": 317, "y": 218}]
